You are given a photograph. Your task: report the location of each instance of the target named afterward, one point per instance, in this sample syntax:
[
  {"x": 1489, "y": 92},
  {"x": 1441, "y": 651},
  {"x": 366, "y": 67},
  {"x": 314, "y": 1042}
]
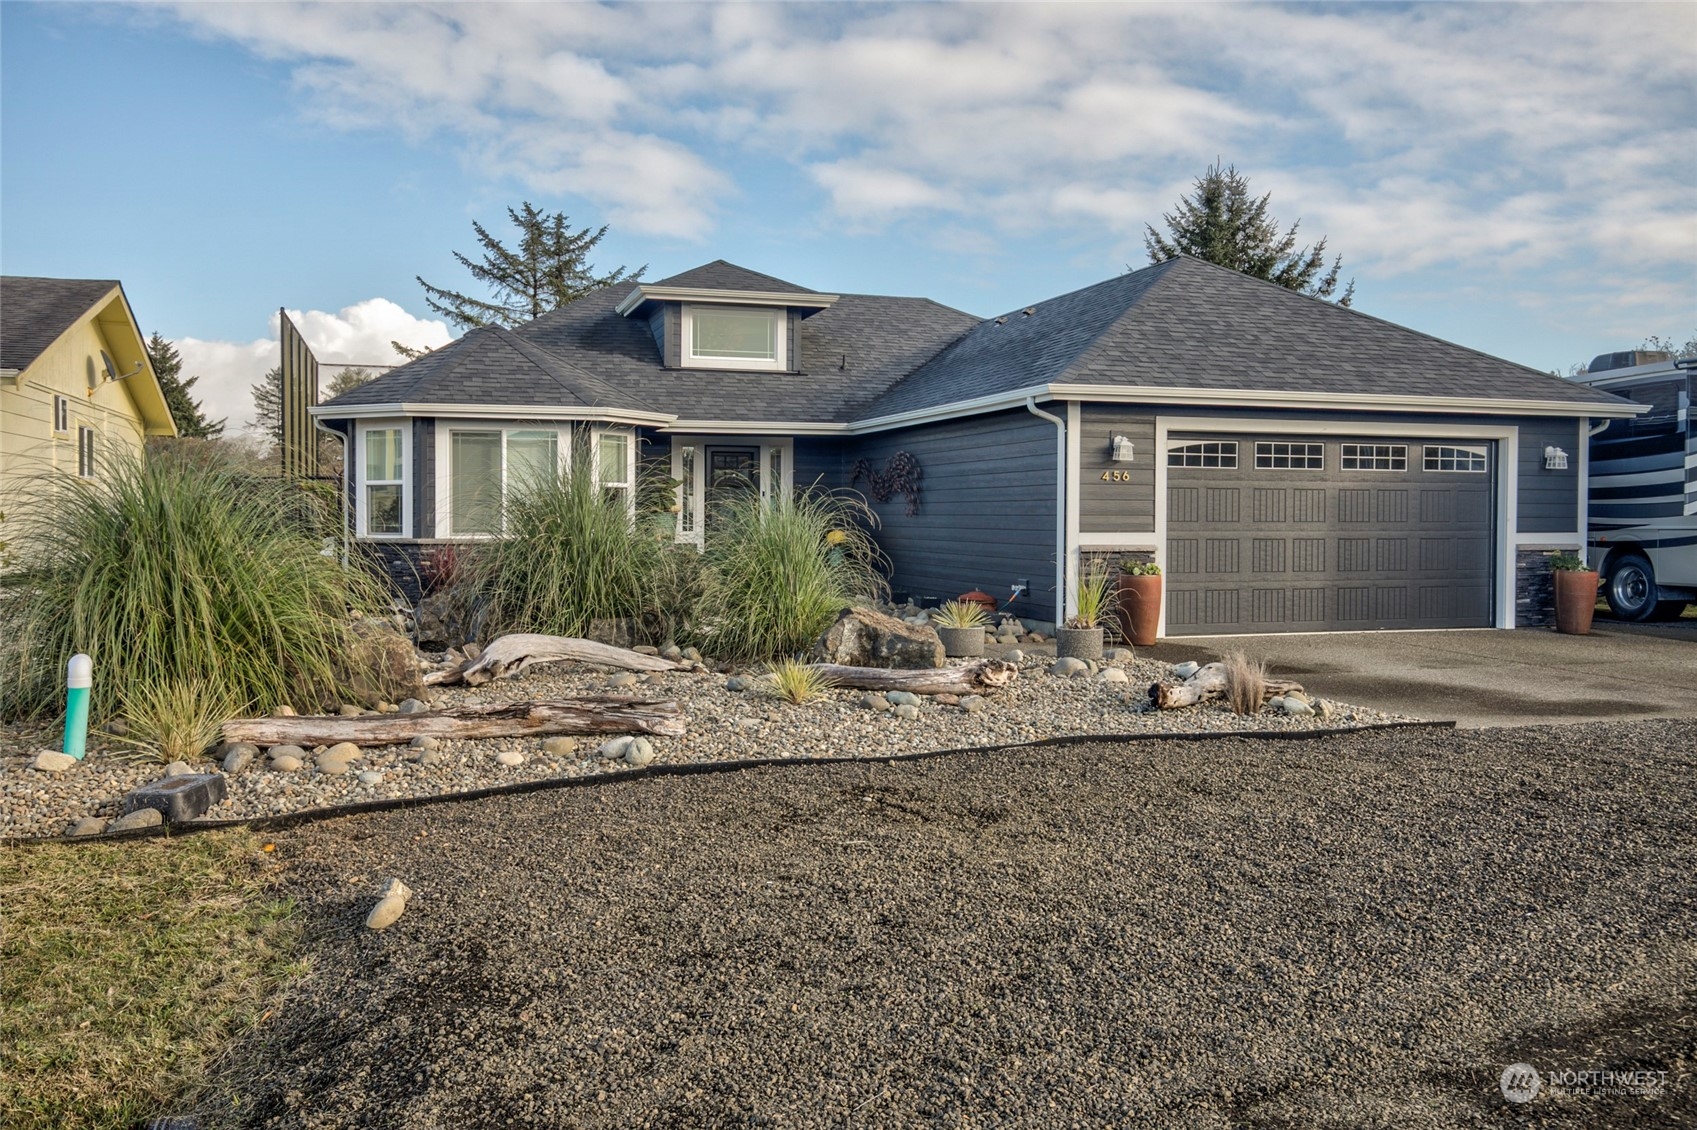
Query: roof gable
[
  {"x": 34, "y": 312},
  {"x": 721, "y": 275}
]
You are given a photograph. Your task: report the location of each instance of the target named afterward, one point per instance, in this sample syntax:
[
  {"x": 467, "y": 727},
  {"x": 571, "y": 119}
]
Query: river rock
[
  {"x": 1185, "y": 670},
  {"x": 905, "y": 711},
  {"x": 338, "y": 759},
  {"x": 1296, "y": 708},
  {"x": 1112, "y": 675},
  {"x": 390, "y": 906},
  {"x": 614, "y": 748},
  {"x": 672, "y": 651},
  {"x": 424, "y": 742},
  {"x": 901, "y": 698},
  {"x": 412, "y": 706},
  {"x": 283, "y": 711},
  {"x": 946, "y": 699},
  {"x": 52, "y": 761},
  {"x": 87, "y": 826},
  {"x": 862, "y": 637},
  {"x": 875, "y": 701},
  {"x": 973, "y": 703},
  {"x": 1068, "y": 667},
  {"x": 286, "y": 764},
  {"x": 559, "y": 746},
  {"x": 1117, "y": 655},
  {"x": 140, "y": 818},
  {"x": 1015, "y": 656},
  {"x": 640, "y": 752},
  {"x": 238, "y": 756},
  {"x": 736, "y": 683},
  {"x": 623, "y": 679},
  {"x": 370, "y": 777},
  {"x": 509, "y": 759}
]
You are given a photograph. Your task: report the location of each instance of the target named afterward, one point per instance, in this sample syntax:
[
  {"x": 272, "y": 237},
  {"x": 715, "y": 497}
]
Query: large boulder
[
  {"x": 382, "y": 664},
  {"x": 862, "y": 637}
]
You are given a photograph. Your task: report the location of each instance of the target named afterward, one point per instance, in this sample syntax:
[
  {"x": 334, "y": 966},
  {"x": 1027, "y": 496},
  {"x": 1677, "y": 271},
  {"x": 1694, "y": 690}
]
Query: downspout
[
  {"x": 1060, "y": 506},
  {"x": 347, "y": 487}
]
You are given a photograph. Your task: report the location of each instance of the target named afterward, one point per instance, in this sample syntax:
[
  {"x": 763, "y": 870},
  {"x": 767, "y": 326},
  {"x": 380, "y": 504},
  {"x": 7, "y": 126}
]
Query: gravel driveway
[{"x": 1353, "y": 931}]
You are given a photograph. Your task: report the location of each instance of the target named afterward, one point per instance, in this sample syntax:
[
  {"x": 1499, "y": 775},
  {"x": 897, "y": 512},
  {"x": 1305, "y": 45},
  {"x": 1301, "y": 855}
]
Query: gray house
[{"x": 1291, "y": 464}]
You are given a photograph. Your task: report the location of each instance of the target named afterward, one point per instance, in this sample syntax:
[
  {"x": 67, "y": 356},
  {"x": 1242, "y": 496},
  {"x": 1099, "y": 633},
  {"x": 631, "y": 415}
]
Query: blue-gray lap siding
[{"x": 986, "y": 513}]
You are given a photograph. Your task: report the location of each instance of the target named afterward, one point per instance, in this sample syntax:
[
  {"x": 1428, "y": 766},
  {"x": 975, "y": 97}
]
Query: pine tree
[
  {"x": 167, "y": 364},
  {"x": 1222, "y": 223},
  {"x": 268, "y": 404},
  {"x": 549, "y": 268},
  {"x": 346, "y": 380}
]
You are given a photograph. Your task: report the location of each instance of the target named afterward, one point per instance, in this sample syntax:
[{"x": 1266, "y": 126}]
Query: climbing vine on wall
[{"x": 901, "y": 473}]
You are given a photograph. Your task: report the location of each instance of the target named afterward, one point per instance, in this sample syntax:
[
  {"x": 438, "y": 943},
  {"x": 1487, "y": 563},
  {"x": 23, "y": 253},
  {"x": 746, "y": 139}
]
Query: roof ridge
[{"x": 550, "y": 362}]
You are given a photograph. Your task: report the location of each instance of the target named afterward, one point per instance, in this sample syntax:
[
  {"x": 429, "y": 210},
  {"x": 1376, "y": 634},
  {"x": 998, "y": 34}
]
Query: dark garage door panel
[{"x": 1328, "y": 550}]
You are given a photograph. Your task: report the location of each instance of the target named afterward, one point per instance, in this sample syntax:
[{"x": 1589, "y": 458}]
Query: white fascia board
[
  {"x": 1339, "y": 401},
  {"x": 755, "y": 428},
  {"x": 495, "y": 411},
  {"x": 721, "y": 297}
]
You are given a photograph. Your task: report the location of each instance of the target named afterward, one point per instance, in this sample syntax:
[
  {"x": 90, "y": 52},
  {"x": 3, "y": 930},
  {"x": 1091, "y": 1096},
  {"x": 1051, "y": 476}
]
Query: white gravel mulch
[{"x": 723, "y": 725}]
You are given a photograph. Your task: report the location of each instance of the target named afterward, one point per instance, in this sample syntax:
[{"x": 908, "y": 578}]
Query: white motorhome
[{"x": 1643, "y": 486}]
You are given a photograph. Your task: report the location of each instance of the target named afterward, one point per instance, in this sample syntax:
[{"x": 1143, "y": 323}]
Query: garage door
[{"x": 1306, "y": 534}]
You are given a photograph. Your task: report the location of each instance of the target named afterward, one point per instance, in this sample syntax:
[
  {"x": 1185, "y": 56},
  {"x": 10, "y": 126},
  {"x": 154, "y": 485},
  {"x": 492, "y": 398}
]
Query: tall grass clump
[
  {"x": 775, "y": 574},
  {"x": 175, "y": 568},
  {"x": 174, "y": 719},
  {"x": 1246, "y": 683},
  {"x": 573, "y": 553}
]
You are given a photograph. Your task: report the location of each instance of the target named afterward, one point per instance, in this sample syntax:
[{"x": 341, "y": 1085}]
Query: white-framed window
[
  {"x": 61, "y": 414},
  {"x": 85, "y": 453},
  {"x": 1374, "y": 457},
  {"x": 735, "y": 337},
  {"x": 1443, "y": 457},
  {"x": 483, "y": 467},
  {"x": 1282, "y": 455},
  {"x": 384, "y": 508},
  {"x": 1202, "y": 453},
  {"x": 615, "y": 465}
]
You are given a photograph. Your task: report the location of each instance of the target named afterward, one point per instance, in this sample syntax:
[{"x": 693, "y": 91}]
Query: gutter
[
  {"x": 1060, "y": 506},
  {"x": 347, "y": 487}
]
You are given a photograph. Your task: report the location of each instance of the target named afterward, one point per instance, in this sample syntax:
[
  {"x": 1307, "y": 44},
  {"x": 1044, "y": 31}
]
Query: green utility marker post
[{"x": 79, "y": 677}]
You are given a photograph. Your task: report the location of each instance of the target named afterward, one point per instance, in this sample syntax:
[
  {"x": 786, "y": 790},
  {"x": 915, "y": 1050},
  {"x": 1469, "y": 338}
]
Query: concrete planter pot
[
  {"x": 962, "y": 643},
  {"x": 1078, "y": 643},
  {"x": 1576, "y": 601}
]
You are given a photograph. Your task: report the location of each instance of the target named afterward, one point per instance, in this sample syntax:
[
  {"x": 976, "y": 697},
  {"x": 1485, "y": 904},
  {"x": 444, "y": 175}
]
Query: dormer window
[{"x": 735, "y": 337}]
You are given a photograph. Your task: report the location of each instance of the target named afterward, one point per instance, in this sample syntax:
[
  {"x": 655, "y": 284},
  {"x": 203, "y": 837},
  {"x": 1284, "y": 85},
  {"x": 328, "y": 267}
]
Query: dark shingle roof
[
  {"x": 720, "y": 275},
  {"x": 1186, "y": 323},
  {"x": 35, "y": 311}
]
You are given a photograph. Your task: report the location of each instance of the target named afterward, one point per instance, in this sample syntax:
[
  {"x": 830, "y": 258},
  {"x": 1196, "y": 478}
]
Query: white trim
[
  {"x": 495, "y": 412},
  {"x": 596, "y": 435},
  {"x": 779, "y": 362},
  {"x": 698, "y": 489},
  {"x": 1060, "y": 504},
  {"x": 1144, "y": 540},
  {"x": 1074, "y": 472},
  {"x": 766, "y": 445},
  {"x": 445, "y": 470},
  {"x": 1569, "y": 538},
  {"x": 1582, "y": 489},
  {"x": 753, "y": 428},
  {"x": 648, "y": 292},
  {"x": 362, "y": 512},
  {"x": 1338, "y": 401},
  {"x": 1507, "y": 468}
]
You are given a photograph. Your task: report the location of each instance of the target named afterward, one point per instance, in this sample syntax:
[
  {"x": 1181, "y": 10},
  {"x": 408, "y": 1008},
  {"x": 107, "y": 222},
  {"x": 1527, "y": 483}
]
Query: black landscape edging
[{"x": 684, "y": 769}]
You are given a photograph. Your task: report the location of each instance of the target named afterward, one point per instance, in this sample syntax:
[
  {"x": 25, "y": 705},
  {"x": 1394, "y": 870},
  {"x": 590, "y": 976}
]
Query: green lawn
[{"x": 124, "y": 968}]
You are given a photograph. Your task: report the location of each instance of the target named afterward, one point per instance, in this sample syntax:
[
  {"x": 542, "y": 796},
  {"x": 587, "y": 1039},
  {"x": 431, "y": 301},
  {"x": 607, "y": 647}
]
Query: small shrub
[
  {"x": 1246, "y": 683},
  {"x": 1140, "y": 568},
  {"x": 960, "y": 614},
  {"x": 1093, "y": 597},
  {"x": 175, "y": 719},
  {"x": 177, "y": 566},
  {"x": 796, "y": 682},
  {"x": 775, "y": 574},
  {"x": 1566, "y": 561}
]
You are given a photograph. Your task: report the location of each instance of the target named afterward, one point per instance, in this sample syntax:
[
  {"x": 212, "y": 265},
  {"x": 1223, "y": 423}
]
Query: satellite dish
[{"x": 111, "y": 368}]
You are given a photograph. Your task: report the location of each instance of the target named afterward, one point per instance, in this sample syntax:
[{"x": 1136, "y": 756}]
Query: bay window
[{"x": 487, "y": 466}]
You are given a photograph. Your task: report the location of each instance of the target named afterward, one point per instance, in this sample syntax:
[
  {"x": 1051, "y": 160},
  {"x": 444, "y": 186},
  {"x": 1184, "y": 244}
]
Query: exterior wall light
[
  {"x": 1555, "y": 459},
  {"x": 1124, "y": 450}
]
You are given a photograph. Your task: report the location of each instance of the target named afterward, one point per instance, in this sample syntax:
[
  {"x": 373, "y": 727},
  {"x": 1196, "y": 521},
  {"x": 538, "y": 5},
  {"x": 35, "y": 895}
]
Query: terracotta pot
[
  {"x": 1138, "y": 608},
  {"x": 1576, "y": 600},
  {"x": 982, "y": 599},
  {"x": 1078, "y": 643},
  {"x": 962, "y": 643}
]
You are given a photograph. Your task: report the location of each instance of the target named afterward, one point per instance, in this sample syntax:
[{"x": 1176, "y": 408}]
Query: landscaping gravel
[
  {"x": 723, "y": 724},
  {"x": 1359, "y": 930}
]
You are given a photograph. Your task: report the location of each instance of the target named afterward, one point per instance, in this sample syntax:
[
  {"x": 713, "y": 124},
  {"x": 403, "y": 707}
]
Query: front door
[{"x": 731, "y": 472}]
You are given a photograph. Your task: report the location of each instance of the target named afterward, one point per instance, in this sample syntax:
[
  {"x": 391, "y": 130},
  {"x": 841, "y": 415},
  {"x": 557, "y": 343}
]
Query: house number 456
[{"x": 1116, "y": 476}]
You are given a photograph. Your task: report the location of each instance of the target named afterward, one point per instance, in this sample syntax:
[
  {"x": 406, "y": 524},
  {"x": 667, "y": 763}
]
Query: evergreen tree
[
  {"x": 346, "y": 380},
  {"x": 185, "y": 409},
  {"x": 549, "y": 268},
  {"x": 1222, "y": 223},
  {"x": 268, "y": 404}
]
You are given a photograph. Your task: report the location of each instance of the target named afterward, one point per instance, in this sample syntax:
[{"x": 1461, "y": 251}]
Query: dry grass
[
  {"x": 125, "y": 967},
  {"x": 1246, "y": 683}
]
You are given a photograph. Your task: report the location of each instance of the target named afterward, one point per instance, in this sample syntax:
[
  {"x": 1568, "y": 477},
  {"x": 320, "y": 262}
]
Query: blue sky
[{"x": 1512, "y": 177}]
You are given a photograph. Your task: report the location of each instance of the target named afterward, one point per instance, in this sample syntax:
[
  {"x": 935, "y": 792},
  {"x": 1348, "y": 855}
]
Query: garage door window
[
  {"x": 1374, "y": 457},
  {"x": 1467, "y": 460},
  {"x": 1277, "y": 455},
  {"x": 1209, "y": 453}
]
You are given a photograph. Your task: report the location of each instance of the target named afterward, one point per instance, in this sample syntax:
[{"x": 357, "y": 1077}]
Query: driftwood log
[
  {"x": 592, "y": 715},
  {"x": 1207, "y": 684},
  {"x": 978, "y": 678},
  {"x": 509, "y": 656}
]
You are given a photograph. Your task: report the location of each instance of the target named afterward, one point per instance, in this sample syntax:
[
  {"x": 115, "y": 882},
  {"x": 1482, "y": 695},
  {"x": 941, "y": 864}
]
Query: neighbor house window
[
  {"x": 384, "y": 469},
  {"x": 1374, "y": 457},
  {"x": 61, "y": 414},
  {"x": 1207, "y": 453},
  {"x": 614, "y": 465},
  {"x": 1470, "y": 460},
  {"x": 85, "y": 452},
  {"x": 487, "y": 466},
  {"x": 734, "y": 337},
  {"x": 1278, "y": 455}
]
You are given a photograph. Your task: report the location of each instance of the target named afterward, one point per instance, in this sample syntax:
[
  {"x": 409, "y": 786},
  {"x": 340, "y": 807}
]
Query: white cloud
[
  {"x": 360, "y": 333},
  {"x": 1487, "y": 138}
]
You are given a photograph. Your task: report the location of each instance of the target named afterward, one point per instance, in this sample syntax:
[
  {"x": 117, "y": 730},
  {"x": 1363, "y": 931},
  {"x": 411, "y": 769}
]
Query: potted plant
[
  {"x": 1138, "y": 596},
  {"x": 1576, "y": 593},
  {"x": 960, "y": 625},
  {"x": 1093, "y": 598}
]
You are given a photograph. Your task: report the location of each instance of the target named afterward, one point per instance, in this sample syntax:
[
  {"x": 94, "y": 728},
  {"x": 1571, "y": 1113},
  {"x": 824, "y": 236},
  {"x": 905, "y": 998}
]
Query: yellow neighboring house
[{"x": 75, "y": 382}]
